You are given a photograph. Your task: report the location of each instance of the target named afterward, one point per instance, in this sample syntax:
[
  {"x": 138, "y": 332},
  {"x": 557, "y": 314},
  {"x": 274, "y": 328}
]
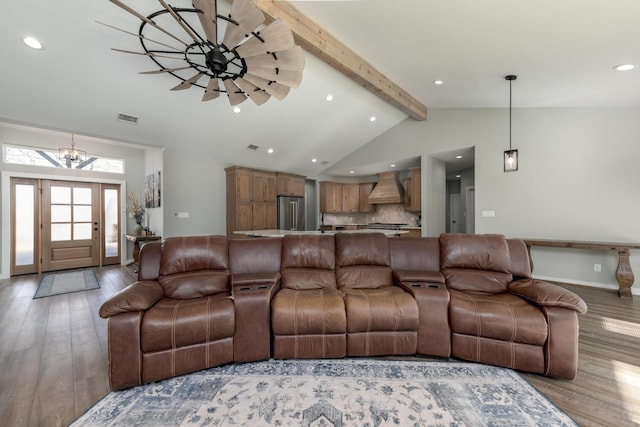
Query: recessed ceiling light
[
  {"x": 458, "y": 176},
  {"x": 236, "y": 109},
  {"x": 32, "y": 42},
  {"x": 393, "y": 166},
  {"x": 352, "y": 171},
  {"x": 270, "y": 151},
  {"x": 458, "y": 157},
  {"x": 314, "y": 160},
  {"x": 437, "y": 82},
  {"x": 329, "y": 98},
  {"x": 372, "y": 118},
  {"x": 624, "y": 67}
]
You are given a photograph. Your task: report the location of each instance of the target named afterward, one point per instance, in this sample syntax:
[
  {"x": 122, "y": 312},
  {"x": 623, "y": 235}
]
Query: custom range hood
[{"x": 387, "y": 190}]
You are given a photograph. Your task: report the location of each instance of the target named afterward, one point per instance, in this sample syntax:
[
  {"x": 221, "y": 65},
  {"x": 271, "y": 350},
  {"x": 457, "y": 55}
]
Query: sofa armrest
[
  {"x": 138, "y": 296},
  {"x": 546, "y": 294}
]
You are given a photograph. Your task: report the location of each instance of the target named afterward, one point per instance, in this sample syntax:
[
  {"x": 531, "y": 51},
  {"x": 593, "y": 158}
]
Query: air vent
[
  {"x": 324, "y": 162},
  {"x": 126, "y": 118},
  {"x": 252, "y": 147}
]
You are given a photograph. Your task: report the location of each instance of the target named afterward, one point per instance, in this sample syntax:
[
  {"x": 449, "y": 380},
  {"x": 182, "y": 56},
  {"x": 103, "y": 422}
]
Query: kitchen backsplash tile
[{"x": 389, "y": 213}]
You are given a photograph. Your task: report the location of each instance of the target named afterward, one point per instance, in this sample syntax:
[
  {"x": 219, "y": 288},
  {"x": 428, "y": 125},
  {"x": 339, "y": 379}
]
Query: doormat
[
  {"x": 64, "y": 283},
  {"x": 332, "y": 393}
]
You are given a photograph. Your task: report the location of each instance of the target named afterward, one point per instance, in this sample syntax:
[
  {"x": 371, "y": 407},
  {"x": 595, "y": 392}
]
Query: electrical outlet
[{"x": 597, "y": 267}]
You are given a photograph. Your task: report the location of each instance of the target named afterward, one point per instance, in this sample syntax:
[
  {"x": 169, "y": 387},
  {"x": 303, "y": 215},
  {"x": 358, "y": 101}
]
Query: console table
[
  {"x": 624, "y": 274},
  {"x": 138, "y": 240}
]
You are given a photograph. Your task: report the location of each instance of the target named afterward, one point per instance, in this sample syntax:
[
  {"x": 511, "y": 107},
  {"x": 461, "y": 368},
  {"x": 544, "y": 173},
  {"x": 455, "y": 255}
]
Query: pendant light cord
[{"x": 511, "y": 78}]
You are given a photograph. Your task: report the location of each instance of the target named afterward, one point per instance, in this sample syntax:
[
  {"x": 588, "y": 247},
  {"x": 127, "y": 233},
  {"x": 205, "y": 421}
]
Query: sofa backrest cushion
[
  {"x": 192, "y": 267},
  {"x": 415, "y": 254},
  {"x": 252, "y": 256},
  {"x": 475, "y": 262},
  {"x": 362, "y": 260},
  {"x": 308, "y": 262}
]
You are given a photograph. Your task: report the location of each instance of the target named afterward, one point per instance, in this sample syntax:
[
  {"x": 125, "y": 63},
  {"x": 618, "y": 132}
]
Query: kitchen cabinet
[
  {"x": 330, "y": 197},
  {"x": 290, "y": 185},
  {"x": 350, "y": 198},
  {"x": 251, "y": 199},
  {"x": 412, "y": 188},
  {"x": 365, "y": 190}
]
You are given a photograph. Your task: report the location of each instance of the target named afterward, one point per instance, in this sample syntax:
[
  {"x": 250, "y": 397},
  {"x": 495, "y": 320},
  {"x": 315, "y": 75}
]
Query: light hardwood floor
[{"x": 54, "y": 365}]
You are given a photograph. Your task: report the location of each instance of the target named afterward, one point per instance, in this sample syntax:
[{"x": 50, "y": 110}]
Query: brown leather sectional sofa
[{"x": 200, "y": 302}]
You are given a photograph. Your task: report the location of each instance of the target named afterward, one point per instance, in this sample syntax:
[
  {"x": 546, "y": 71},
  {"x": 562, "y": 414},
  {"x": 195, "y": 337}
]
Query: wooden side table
[{"x": 138, "y": 240}]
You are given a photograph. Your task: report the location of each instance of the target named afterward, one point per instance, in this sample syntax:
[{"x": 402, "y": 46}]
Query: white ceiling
[{"x": 563, "y": 52}]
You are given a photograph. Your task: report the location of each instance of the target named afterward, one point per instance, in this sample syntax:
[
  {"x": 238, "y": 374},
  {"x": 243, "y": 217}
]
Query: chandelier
[
  {"x": 72, "y": 155},
  {"x": 253, "y": 60}
]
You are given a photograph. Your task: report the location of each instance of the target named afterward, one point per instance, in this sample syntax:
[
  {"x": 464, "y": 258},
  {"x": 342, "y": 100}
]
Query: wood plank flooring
[{"x": 53, "y": 355}]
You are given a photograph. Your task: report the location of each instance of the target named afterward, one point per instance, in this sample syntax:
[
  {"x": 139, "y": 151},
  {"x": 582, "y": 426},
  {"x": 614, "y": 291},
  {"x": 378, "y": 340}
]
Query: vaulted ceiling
[{"x": 562, "y": 51}]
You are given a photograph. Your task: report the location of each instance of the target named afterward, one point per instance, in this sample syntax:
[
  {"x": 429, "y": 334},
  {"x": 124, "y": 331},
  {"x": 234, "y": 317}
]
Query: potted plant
[{"x": 138, "y": 212}]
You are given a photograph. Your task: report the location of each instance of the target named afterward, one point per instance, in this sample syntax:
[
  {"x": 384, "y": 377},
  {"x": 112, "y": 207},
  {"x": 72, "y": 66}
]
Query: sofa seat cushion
[
  {"x": 383, "y": 309},
  {"x": 173, "y": 323},
  {"x": 503, "y": 317},
  {"x": 312, "y": 311}
]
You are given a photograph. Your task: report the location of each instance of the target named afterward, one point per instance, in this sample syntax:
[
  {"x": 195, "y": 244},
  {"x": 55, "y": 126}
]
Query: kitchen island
[{"x": 282, "y": 233}]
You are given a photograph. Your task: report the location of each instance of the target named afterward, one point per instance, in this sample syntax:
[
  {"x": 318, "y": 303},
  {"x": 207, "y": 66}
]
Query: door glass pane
[
  {"x": 81, "y": 196},
  {"x": 81, "y": 213},
  {"x": 111, "y": 222},
  {"x": 82, "y": 231},
  {"x": 60, "y": 213},
  {"x": 60, "y": 195},
  {"x": 24, "y": 211},
  {"x": 60, "y": 232}
]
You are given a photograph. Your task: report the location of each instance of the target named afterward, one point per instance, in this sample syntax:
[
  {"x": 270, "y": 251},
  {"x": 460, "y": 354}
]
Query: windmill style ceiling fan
[{"x": 254, "y": 60}]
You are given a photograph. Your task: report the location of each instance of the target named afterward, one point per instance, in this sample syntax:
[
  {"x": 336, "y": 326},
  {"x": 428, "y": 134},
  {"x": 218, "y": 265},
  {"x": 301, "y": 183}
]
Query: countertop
[{"x": 281, "y": 233}]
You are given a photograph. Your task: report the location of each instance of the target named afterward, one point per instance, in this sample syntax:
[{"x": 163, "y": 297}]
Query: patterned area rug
[
  {"x": 63, "y": 283},
  {"x": 348, "y": 392}
]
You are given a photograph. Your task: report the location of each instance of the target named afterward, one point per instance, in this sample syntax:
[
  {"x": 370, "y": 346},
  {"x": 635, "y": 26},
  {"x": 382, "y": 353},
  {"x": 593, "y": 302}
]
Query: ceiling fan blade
[
  {"x": 188, "y": 83},
  {"x": 235, "y": 94},
  {"x": 284, "y": 77},
  {"x": 154, "y": 55},
  {"x": 145, "y": 19},
  {"x": 180, "y": 22},
  {"x": 257, "y": 95},
  {"x": 208, "y": 18},
  {"x": 273, "y": 38},
  {"x": 274, "y": 89},
  {"x": 140, "y": 36},
  {"x": 290, "y": 59},
  {"x": 248, "y": 16},
  {"x": 164, "y": 70},
  {"x": 212, "y": 91}
]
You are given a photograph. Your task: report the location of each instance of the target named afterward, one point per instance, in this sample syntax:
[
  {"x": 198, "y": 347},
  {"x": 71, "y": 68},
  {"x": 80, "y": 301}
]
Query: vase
[{"x": 138, "y": 229}]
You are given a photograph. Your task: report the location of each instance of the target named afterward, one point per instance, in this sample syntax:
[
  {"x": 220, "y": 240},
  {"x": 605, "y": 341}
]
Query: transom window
[{"x": 49, "y": 158}]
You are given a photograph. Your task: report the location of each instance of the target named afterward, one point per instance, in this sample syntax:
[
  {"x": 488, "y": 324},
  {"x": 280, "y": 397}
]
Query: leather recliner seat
[
  {"x": 308, "y": 313},
  {"x": 382, "y": 319}
]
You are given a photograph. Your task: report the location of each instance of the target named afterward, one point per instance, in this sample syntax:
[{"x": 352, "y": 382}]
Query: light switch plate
[{"x": 181, "y": 215}]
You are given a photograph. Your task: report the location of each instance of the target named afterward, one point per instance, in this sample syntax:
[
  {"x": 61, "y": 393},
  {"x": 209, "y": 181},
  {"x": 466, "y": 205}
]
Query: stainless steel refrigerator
[{"x": 291, "y": 213}]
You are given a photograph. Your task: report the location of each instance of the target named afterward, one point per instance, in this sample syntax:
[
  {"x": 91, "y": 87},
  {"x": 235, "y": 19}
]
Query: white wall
[{"x": 578, "y": 178}]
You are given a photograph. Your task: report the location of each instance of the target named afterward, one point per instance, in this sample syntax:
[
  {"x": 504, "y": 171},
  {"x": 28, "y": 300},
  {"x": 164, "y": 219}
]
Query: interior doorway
[{"x": 57, "y": 224}]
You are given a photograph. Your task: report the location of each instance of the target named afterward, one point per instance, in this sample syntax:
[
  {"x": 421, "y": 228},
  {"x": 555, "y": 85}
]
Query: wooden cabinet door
[
  {"x": 264, "y": 215},
  {"x": 264, "y": 187},
  {"x": 244, "y": 185},
  {"x": 244, "y": 216},
  {"x": 415, "y": 187},
  {"x": 330, "y": 197},
  {"x": 365, "y": 189},
  {"x": 296, "y": 186},
  {"x": 350, "y": 197}
]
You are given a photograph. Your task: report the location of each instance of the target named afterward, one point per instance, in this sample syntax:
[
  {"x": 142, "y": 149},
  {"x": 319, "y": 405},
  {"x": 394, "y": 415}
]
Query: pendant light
[
  {"x": 72, "y": 155},
  {"x": 510, "y": 155}
]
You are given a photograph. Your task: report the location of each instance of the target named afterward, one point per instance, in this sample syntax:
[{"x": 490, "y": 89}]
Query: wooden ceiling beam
[{"x": 317, "y": 41}]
